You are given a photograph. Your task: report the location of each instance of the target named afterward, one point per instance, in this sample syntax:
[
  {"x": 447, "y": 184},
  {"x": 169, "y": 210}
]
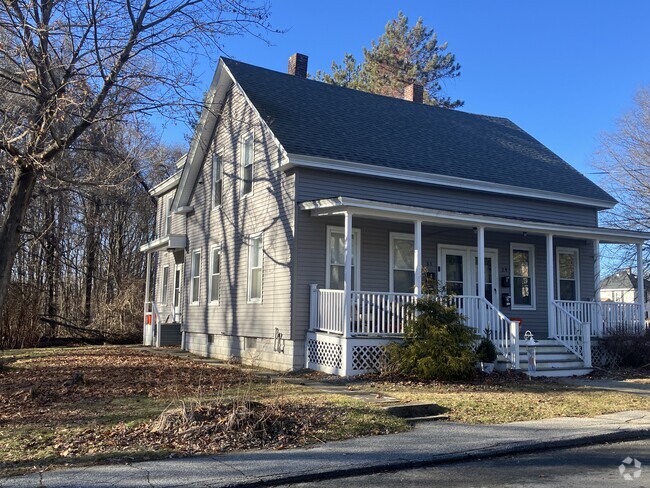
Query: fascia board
[{"x": 337, "y": 206}]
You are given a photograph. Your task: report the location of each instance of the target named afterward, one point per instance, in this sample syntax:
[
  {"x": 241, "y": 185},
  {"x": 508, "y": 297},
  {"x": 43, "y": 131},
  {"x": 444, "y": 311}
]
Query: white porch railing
[
  {"x": 482, "y": 316},
  {"x": 384, "y": 314},
  {"x": 573, "y": 333},
  {"x": 378, "y": 313},
  {"x": 606, "y": 318}
]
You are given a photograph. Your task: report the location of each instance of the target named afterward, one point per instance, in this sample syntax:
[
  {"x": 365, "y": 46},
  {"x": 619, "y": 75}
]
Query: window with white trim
[
  {"x": 402, "y": 263},
  {"x": 195, "y": 279},
  {"x": 168, "y": 215},
  {"x": 568, "y": 274},
  {"x": 335, "y": 255},
  {"x": 165, "y": 282},
  {"x": 522, "y": 276},
  {"x": 247, "y": 153},
  {"x": 255, "y": 260},
  {"x": 215, "y": 273},
  {"x": 217, "y": 178}
]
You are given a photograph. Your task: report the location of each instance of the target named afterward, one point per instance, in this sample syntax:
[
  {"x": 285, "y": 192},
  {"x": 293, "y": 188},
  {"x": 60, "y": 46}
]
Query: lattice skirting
[
  {"x": 334, "y": 354},
  {"x": 600, "y": 357}
]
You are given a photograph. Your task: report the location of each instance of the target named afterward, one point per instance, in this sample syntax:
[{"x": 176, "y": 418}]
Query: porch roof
[
  {"x": 170, "y": 242},
  {"x": 392, "y": 211}
]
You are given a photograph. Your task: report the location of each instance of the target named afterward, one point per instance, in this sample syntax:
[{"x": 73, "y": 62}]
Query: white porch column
[
  {"x": 481, "y": 262},
  {"x": 550, "y": 284},
  {"x": 146, "y": 329},
  {"x": 596, "y": 271},
  {"x": 597, "y": 322},
  {"x": 480, "y": 278},
  {"x": 417, "y": 257},
  {"x": 640, "y": 286},
  {"x": 347, "y": 276}
]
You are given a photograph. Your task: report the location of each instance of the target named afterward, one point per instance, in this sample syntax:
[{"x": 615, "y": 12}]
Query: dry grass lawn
[{"x": 132, "y": 404}]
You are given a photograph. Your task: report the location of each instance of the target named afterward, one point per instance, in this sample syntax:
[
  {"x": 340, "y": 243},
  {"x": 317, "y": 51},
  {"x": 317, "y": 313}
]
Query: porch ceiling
[{"x": 391, "y": 211}]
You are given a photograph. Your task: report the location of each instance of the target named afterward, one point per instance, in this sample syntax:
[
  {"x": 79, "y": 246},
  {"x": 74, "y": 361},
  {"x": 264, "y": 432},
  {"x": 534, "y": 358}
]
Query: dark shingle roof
[{"x": 315, "y": 119}]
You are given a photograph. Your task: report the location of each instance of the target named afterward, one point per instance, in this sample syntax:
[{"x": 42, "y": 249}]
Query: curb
[{"x": 495, "y": 452}]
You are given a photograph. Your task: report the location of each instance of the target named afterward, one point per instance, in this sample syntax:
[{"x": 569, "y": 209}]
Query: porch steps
[{"x": 553, "y": 359}]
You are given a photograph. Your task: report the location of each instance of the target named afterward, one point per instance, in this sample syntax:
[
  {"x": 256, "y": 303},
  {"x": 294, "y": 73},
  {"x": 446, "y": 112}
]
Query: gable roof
[
  {"x": 622, "y": 280},
  {"x": 318, "y": 120}
]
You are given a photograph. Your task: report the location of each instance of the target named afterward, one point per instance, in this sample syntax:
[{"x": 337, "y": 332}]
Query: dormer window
[{"x": 247, "y": 149}]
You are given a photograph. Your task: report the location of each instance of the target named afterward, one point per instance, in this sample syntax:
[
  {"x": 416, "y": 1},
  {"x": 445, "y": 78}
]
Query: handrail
[{"x": 573, "y": 333}]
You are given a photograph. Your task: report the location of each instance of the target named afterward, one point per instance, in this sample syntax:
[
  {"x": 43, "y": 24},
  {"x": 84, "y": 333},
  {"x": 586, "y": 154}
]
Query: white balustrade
[
  {"x": 378, "y": 313},
  {"x": 570, "y": 331},
  {"x": 330, "y": 311},
  {"x": 606, "y": 318}
]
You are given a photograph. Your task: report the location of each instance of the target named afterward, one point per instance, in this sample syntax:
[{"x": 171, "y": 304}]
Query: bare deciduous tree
[
  {"x": 68, "y": 65},
  {"x": 624, "y": 159}
]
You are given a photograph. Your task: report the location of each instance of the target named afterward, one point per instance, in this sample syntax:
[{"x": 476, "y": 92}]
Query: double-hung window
[
  {"x": 568, "y": 276},
  {"x": 522, "y": 271},
  {"x": 402, "y": 263},
  {"x": 165, "y": 282},
  {"x": 168, "y": 216},
  {"x": 336, "y": 258},
  {"x": 195, "y": 282},
  {"x": 247, "y": 150},
  {"x": 217, "y": 179},
  {"x": 215, "y": 273},
  {"x": 255, "y": 255}
]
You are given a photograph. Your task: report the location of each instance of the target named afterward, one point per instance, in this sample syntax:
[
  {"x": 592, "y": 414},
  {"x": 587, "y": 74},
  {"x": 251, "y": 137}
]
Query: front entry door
[
  {"x": 458, "y": 278},
  {"x": 178, "y": 283}
]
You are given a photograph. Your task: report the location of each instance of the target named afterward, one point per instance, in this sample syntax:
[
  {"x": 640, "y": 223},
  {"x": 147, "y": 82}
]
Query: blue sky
[{"x": 562, "y": 70}]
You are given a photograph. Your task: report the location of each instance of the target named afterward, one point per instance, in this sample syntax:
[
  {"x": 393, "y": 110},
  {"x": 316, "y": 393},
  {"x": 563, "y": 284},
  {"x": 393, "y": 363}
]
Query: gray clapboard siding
[
  {"x": 316, "y": 184},
  {"x": 269, "y": 209}
]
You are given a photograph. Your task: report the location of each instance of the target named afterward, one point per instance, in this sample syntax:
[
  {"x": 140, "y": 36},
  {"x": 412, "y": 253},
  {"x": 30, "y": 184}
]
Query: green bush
[
  {"x": 437, "y": 344},
  {"x": 486, "y": 351}
]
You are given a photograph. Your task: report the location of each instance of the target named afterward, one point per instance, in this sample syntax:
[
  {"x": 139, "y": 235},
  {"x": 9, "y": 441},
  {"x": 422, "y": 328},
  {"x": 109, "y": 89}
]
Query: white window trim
[
  {"x": 356, "y": 233},
  {"x": 403, "y": 237},
  {"x": 198, "y": 295},
  {"x": 533, "y": 291},
  {"x": 216, "y": 154},
  {"x": 211, "y": 272},
  {"x": 259, "y": 235},
  {"x": 167, "y": 224},
  {"x": 567, "y": 250},
  {"x": 245, "y": 136},
  {"x": 165, "y": 286}
]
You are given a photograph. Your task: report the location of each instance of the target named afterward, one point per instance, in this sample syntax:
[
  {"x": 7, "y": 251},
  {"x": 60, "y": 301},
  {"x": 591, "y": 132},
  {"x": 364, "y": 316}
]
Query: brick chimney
[
  {"x": 414, "y": 93},
  {"x": 298, "y": 65}
]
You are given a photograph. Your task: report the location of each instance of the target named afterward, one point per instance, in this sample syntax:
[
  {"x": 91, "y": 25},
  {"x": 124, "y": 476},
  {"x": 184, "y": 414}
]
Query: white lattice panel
[
  {"x": 600, "y": 356},
  {"x": 325, "y": 353},
  {"x": 367, "y": 357}
]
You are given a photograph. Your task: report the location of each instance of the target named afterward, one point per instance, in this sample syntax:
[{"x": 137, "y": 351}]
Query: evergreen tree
[{"x": 400, "y": 56}]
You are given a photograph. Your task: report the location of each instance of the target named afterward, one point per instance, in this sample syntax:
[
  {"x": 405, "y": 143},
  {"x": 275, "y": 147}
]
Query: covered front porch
[{"x": 536, "y": 276}]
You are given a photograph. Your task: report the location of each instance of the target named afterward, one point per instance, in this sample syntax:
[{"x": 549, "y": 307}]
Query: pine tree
[{"x": 400, "y": 56}]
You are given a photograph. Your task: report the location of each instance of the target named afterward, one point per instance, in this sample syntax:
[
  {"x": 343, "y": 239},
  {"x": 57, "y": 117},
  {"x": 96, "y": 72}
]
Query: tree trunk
[{"x": 12, "y": 221}]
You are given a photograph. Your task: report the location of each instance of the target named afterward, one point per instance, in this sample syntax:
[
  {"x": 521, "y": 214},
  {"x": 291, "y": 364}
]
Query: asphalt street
[{"x": 592, "y": 466}]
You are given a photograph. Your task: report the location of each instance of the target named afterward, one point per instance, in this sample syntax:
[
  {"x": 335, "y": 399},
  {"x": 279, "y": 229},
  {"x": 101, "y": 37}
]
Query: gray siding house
[{"x": 305, "y": 217}]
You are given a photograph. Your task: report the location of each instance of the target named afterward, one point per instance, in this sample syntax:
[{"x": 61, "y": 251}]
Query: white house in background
[
  {"x": 298, "y": 227},
  {"x": 622, "y": 286}
]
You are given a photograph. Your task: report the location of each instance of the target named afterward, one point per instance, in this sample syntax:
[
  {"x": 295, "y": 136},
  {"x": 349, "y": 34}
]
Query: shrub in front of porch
[{"x": 437, "y": 344}]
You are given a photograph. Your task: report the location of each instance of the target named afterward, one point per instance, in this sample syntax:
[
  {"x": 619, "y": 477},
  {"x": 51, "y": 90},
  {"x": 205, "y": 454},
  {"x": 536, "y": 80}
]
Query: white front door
[
  {"x": 178, "y": 284},
  {"x": 459, "y": 278}
]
